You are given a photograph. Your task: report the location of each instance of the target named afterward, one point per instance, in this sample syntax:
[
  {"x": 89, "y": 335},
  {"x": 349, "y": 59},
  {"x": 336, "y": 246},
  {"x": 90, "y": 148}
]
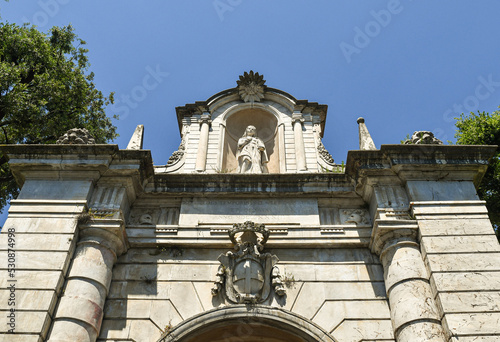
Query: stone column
[
  {"x": 300, "y": 152},
  {"x": 201, "y": 157},
  {"x": 80, "y": 312},
  {"x": 414, "y": 313}
]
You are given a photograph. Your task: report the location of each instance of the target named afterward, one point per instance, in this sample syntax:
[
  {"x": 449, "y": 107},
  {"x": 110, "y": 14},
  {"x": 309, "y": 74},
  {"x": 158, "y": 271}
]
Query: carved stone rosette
[
  {"x": 246, "y": 276},
  {"x": 251, "y": 86}
]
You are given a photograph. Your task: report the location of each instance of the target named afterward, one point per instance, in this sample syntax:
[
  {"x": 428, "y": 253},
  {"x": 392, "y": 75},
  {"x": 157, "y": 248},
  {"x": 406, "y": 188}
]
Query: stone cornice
[
  {"x": 400, "y": 163},
  {"x": 403, "y": 157},
  {"x": 303, "y": 184},
  {"x": 34, "y": 150},
  {"x": 77, "y": 161}
]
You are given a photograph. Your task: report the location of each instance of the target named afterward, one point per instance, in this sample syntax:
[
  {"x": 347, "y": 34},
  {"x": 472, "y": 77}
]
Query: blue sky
[{"x": 403, "y": 65}]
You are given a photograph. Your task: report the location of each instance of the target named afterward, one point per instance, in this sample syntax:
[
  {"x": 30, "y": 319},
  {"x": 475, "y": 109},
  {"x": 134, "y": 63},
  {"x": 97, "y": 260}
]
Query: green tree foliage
[
  {"x": 484, "y": 129},
  {"x": 45, "y": 90}
]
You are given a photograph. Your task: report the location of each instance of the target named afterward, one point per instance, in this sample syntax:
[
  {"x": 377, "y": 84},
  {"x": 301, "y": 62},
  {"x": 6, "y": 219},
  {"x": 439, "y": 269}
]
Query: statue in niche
[{"x": 251, "y": 154}]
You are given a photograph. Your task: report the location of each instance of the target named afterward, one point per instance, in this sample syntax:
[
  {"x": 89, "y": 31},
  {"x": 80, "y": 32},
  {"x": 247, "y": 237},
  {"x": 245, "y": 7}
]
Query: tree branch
[
  {"x": 6, "y": 179},
  {"x": 3, "y": 160}
]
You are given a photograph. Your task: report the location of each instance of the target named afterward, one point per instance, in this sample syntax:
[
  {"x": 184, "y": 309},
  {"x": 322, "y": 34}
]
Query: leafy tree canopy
[
  {"x": 484, "y": 129},
  {"x": 45, "y": 90}
]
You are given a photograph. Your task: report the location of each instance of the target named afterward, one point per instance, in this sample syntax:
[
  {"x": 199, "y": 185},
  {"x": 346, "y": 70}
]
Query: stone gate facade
[{"x": 249, "y": 232}]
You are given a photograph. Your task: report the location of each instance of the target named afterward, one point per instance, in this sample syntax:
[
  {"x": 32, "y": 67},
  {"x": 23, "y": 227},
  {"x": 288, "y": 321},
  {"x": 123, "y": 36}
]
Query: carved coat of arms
[{"x": 246, "y": 276}]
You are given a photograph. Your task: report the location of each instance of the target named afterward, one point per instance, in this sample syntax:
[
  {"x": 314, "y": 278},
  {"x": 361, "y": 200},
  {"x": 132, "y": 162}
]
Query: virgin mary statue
[{"x": 251, "y": 154}]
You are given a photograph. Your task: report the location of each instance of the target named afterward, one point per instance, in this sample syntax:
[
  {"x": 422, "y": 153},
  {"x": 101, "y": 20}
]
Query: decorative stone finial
[
  {"x": 423, "y": 137},
  {"x": 365, "y": 139},
  {"x": 137, "y": 138},
  {"x": 251, "y": 86},
  {"x": 76, "y": 136}
]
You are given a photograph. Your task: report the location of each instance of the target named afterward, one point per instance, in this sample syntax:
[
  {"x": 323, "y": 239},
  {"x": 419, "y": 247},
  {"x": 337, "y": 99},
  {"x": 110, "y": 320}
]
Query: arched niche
[
  {"x": 247, "y": 323},
  {"x": 267, "y": 130}
]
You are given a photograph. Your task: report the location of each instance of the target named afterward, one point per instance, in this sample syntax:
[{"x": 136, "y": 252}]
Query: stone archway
[{"x": 247, "y": 323}]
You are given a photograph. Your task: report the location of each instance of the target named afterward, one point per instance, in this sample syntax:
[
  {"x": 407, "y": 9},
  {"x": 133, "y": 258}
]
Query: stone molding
[
  {"x": 108, "y": 233},
  {"x": 298, "y": 117},
  {"x": 263, "y": 314},
  {"x": 388, "y": 233},
  {"x": 77, "y": 162},
  {"x": 61, "y": 207},
  {"x": 260, "y": 185},
  {"x": 469, "y": 161}
]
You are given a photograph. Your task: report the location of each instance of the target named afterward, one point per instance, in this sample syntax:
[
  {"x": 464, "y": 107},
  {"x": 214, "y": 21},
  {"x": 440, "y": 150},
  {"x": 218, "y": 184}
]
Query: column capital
[
  {"x": 390, "y": 230},
  {"x": 206, "y": 117},
  {"x": 297, "y": 117},
  {"x": 106, "y": 231}
]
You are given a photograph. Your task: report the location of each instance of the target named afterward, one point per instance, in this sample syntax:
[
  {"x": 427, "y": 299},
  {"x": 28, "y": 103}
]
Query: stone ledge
[
  {"x": 455, "y": 227},
  {"x": 466, "y": 262},
  {"x": 465, "y": 281},
  {"x": 459, "y": 244},
  {"x": 469, "y": 302},
  {"x": 44, "y": 160},
  {"x": 27, "y": 322},
  {"x": 184, "y": 185},
  {"x": 472, "y": 324},
  {"x": 400, "y": 163},
  {"x": 476, "y": 338},
  {"x": 20, "y": 338}
]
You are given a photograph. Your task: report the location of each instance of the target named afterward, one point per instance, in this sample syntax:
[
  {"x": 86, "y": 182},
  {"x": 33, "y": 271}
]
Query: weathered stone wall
[
  {"x": 341, "y": 290},
  {"x": 462, "y": 255},
  {"x": 45, "y": 234},
  {"x": 35, "y": 256},
  {"x": 398, "y": 247}
]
